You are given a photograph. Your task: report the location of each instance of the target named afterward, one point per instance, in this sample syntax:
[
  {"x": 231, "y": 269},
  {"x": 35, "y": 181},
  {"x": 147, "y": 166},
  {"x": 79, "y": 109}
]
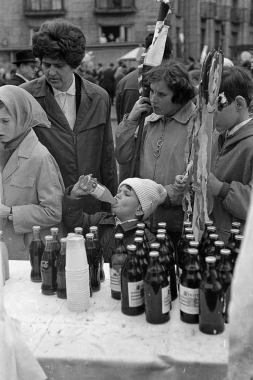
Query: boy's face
[
  {"x": 227, "y": 117},
  {"x": 160, "y": 98},
  {"x": 127, "y": 203}
]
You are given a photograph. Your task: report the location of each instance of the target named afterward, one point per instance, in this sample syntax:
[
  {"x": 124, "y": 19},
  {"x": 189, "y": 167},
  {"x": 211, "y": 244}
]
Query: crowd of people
[{"x": 55, "y": 126}]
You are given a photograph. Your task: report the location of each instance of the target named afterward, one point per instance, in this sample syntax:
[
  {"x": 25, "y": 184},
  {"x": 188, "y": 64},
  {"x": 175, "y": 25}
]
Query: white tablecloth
[{"x": 103, "y": 343}]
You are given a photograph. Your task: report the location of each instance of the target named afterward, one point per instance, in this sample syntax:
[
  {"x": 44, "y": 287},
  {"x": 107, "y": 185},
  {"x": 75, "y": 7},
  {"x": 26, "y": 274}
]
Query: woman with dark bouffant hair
[
  {"x": 164, "y": 145},
  {"x": 80, "y": 138}
]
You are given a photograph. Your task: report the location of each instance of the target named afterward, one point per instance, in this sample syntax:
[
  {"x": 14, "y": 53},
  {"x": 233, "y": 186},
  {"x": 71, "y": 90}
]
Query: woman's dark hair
[
  {"x": 236, "y": 81},
  {"x": 60, "y": 39},
  {"x": 175, "y": 75}
]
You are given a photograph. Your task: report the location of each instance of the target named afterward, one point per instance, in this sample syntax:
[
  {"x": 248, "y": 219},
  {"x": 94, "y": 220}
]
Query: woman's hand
[
  {"x": 142, "y": 105},
  {"x": 4, "y": 211},
  {"x": 180, "y": 182}
]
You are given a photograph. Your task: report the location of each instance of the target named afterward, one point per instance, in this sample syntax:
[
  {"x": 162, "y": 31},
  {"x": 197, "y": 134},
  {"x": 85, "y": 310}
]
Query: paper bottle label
[
  {"x": 115, "y": 279},
  {"x": 136, "y": 293},
  {"x": 189, "y": 300},
  {"x": 166, "y": 298}
]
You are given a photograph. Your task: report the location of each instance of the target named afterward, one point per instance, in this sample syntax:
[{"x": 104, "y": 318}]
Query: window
[
  {"x": 114, "y": 34},
  {"x": 42, "y": 5}
]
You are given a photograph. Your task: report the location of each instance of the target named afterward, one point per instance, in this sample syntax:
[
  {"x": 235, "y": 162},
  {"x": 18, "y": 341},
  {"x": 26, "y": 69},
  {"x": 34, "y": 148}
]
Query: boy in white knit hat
[{"x": 136, "y": 200}]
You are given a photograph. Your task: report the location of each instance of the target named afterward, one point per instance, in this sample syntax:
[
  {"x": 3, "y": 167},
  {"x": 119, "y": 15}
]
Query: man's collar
[
  {"x": 237, "y": 127},
  {"x": 117, "y": 221},
  {"x": 21, "y": 76}
]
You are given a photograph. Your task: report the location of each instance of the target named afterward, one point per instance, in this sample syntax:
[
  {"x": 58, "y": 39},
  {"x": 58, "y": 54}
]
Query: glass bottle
[
  {"x": 78, "y": 231},
  {"x": 180, "y": 245},
  {"x": 142, "y": 226},
  {"x": 208, "y": 249},
  {"x": 5, "y": 257},
  {"x": 36, "y": 249},
  {"x": 218, "y": 244},
  {"x": 211, "y": 317},
  {"x": 195, "y": 244},
  {"x": 117, "y": 261},
  {"x": 48, "y": 268},
  {"x": 165, "y": 252},
  {"x": 236, "y": 250},
  {"x": 208, "y": 223},
  {"x": 96, "y": 189},
  {"x": 163, "y": 225},
  {"x": 231, "y": 240},
  {"x": 184, "y": 254},
  {"x": 94, "y": 262},
  {"x": 56, "y": 242},
  {"x": 205, "y": 240},
  {"x": 61, "y": 273},
  {"x": 94, "y": 231},
  {"x": 224, "y": 270},
  {"x": 141, "y": 233},
  {"x": 156, "y": 291},
  {"x": 189, "y": 289},
  {"x": 140, "y": 255},
  {"x": 132, "y": 292},
  {"x": 237, "y": 226}
]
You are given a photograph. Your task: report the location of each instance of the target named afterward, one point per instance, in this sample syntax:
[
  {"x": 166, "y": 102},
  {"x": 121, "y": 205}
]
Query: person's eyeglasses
[{"x": 222, "y": 101}]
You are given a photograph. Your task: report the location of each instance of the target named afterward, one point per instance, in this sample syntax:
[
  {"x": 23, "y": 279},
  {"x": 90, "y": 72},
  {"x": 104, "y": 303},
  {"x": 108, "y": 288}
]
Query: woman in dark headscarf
[{"x": 31, "y": 189}]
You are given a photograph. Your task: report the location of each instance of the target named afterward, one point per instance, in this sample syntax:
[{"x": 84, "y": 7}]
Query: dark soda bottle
[
  {"x": 218, "y": 244},
  {"x": 236, "y": 250},
  {"x": 189, "y": 289},
  {"x": 56, "y": 242},
  {"x": 48, "y": 268},
  {"x": 231, "y": 240},
  {"x": 78, "y": 231},
  {"x": 180, "y": 245},
  {"x": 142, "y": 226},
  {"x": 165, "y": 252},
  {"x": 94, "y": 262},
  {"x": 224, "y": 270},
  {"x": 163, "y": 225},
  {"x": 195, "y": 244},
  {"x": 208, "y": 223},
  {"x": 156, "y": 291},
  {"x": 94, "y": 231},
  {"x": 132, "y": 292},
  {"x": 184, "y": 254},
  {"x": 61, "y": 273},
  {"x": 140, "y": 255},
  {"x": 208, "y": 249},
  {"x": 211, "y": 317},
  {"x": 36, "y": 250},
  {"x": 117, "y": 261},
  {"x": 205, "y": 240},
  {"x": 141, "y": 233}
]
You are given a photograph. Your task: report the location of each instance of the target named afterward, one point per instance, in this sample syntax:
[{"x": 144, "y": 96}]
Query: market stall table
[{"x": 103, "y": 343}]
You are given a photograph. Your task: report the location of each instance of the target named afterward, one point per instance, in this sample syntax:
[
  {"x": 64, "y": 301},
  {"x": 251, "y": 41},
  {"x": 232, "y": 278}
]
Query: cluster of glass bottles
[
  {"x": 143, "y": 275},
  {"x": 204, "y": 273},
  {"x": 48, "y": 261}
]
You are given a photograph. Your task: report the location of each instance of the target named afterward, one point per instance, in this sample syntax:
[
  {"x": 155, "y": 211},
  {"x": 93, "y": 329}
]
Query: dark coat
[
  {"x": 73, "y": 216},
  {"x": 88, "y": 148},
  {"x": 16, "y": 80}
]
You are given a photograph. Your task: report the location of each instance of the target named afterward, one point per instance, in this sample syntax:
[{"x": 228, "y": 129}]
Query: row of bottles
[{"x": 204, "y": 273}]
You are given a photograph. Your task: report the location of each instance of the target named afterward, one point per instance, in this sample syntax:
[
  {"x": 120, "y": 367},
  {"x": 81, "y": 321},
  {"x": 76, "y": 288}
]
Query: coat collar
[
  {"x": 24, "y": 150},
  {"x": 110, "y": 219},
  {"x": 182, "y": 116}
]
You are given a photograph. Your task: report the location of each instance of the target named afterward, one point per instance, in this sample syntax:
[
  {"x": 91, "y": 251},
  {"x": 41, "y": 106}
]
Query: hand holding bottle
[{"x": 82, "y": 187}]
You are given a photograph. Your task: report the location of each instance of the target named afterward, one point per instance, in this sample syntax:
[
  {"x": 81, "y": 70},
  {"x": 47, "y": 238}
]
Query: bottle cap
[
  {"x": 187, "y": 223},
  {"x": 213, "y": 236},
  {"x": 131, "y": 247},
  {"x": 210, "y": 259},
  {"x": 78, "y": 229},
  {"x": 63, "y": 240},
  {"x": 36, "y": 228},
  {"x": 236, "y": 225},
  {"x": 193, "y": 251},
  {"x": 225, "y": 251},
  {"x": 162, "y": 225},
  {"x": 153, "y": 254},
  {"x": 93, "y": 228},
  {"x": 211, "y": 229},
  {"x": 188, "y": 229},
  {"x": 190, "y": 236},
  {"x": 118, "y": 236},
  {"x": 238, "y": 237},
  {"x": 140, "y": 225},
  {"x": 54, "y": 229},
  {"x": 48, "y": 237},
  {"x": 155, "y": 246},
  {"x": 138, "y": 239},
  {"x": 209, "y": 223},
  {"x": 139, "y": 232},
  {"x": 161, "y": 231},
  {"x": 160, "y": 236},
  {"x": 219, "y": 243},
  {"x": 194, "y": 243},
  {"x": 234, "y": 231},
  {"x": 89, "y": 235}
]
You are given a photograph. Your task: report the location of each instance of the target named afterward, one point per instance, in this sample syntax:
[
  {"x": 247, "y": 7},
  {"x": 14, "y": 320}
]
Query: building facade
[{"x": 114, "y": 27}]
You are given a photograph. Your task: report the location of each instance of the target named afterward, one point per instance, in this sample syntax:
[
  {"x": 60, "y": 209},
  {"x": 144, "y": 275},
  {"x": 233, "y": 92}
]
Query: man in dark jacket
[
  {"x": 26, "y": 67},
  {"x": 80, "y": 138},
  {"x": 135, "y": 201}
]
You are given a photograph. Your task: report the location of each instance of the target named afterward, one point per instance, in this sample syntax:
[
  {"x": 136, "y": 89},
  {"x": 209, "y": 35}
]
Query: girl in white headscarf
[{"x": 32, "y": 187}]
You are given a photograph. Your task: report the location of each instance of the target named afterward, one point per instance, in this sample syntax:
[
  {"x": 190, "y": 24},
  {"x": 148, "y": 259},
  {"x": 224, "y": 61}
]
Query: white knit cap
[{"x": 149, "y": 193}]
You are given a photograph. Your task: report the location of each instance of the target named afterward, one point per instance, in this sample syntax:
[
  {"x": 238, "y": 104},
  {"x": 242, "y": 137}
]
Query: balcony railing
[
  {"x": 236, "y": 15},
  {"x": 44, "y": 8},
  {"x": 114, "y": 6}
]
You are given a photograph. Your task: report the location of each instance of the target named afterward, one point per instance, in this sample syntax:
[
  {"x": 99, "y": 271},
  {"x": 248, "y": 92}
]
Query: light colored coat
[{"x": 33, "y": 187}]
